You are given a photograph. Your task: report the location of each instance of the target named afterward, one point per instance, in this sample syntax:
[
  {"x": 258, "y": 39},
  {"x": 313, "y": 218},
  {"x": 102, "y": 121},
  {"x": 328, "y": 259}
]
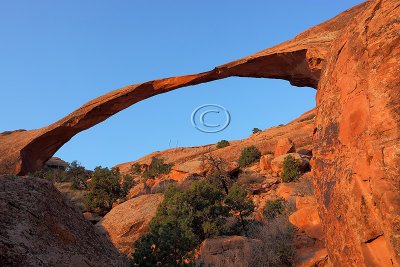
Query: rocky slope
[
  {"x": 188, "y": 160},
  {"x": 260, "y": 180},
  {"x": 38, "y": 227},
  {"x": 352, "y": 60}
]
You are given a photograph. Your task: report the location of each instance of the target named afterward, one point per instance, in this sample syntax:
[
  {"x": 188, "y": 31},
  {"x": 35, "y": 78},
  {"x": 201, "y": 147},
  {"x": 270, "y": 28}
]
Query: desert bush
[
  {"x": 256, "y": 130},
  {"x": 104, "y": 189},
  {"x": 182, "y": 221},
  {"x": 217, "y": 173},
  {"x": 273, "y": 208},
  {"x": 246, "y": 178},
  {"x": 156, "y": 167},
  {"x": 248, "y": 156},
  {"x": 291, "y": 169},
  {"x": 222, "y": 144},
  {"x": 78, "y": 175},
  {"x": 136, "y": 168},
  {"x": 238, "y": 203},
  {"x": 277, "y": 236},
  {"x": 74, "y": 173}
]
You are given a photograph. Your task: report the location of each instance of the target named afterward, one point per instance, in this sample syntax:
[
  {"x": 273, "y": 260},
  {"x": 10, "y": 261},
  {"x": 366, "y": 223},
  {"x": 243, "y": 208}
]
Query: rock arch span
[{"x": 352, "y": 60}]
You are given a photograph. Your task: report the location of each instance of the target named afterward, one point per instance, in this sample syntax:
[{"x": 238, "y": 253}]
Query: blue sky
[{"x": 57, "y": 55}]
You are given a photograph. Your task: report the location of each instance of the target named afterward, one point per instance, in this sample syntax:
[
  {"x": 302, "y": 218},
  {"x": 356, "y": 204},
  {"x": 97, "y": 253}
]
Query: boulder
[
  {"x": 229, "y": 251},
  {"x": 128, "y": 221},
  {"x": 39, "y": 227},
  {"x": 277, "y": 163},
  {"x": 306, "y": 217},
  {"x": 284, "y": 146},
  {"x": 137, "y": 190},
  {"x": 265, "y": 162}
]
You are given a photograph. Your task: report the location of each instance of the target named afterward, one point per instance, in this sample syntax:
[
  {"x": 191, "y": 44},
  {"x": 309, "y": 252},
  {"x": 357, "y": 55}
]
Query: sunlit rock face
[
  {"x": 357, "y": 140},
  {"x": 352, "y": 60}
]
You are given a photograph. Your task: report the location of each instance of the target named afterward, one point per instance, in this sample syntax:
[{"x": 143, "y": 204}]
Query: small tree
[
  {"x": 238, "y": 202},
  {"x": 256, "y": 130},
  {"x": 136, "y": 168},
  {"x": 104, "y": 189},
  {"x": 78, "y": 175},
  {"x": 217, "y": 171},
  {"x": 156, "y": 167},
  {"x": 222, "y": 144},
  {"x": 248, "y": 156},
  {"x": 291, "y": 169},
  {"x": 182, "y": 221},
  {"x": 274, "y": 207}
]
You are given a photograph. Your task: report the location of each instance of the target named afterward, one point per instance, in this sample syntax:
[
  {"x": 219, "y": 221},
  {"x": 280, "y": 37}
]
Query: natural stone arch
[{"x": 352, "y": 60}]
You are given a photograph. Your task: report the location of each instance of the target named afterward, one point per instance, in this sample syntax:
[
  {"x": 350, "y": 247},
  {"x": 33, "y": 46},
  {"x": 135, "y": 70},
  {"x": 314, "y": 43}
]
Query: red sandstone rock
[
  {"x": 284, "y": 146},
  {"x": 128, "y": 221},
  {"x": 265, "y": 162},
  {"x": 356, "y": 140},
  {"x": 39, "y": 227}
]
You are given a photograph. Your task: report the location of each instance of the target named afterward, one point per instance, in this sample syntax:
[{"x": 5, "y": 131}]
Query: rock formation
[
  {"x": 38, "y": 227},
  {"x": 127, "y": 222},
  {"x": 299, "y": 61},
  {"x": 357, "y": 140},
  {"x": 352, "y": 60}
]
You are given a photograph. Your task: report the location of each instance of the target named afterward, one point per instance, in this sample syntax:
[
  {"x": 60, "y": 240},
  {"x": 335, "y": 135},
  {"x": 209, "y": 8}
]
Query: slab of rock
[
  {"x": 229, "y": 251},
  {"x": 128, "y": 221},
  {"x": 265, "y": 162},
  {"x": 284, "y": 146},
  {"x": 39, "y": 227},
  {"x": 306, "y": 217},
  {"x": 138, "y": 190}
]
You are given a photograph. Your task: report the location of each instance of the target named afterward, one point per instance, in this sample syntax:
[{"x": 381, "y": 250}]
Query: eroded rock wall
[{"x": 357, "y": 140}]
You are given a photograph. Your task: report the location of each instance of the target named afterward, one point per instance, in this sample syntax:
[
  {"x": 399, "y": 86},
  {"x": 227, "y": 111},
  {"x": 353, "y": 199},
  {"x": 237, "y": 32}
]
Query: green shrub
[
  {"x": 238, "y": 202},
  {"x": 256, "y": 130},
  {"x": 182, "y": 221},
  {"x": 291, "y": 169},
  {"x": 272, "y": 208},
  {"x": 248, "y": 156},
  {"x": 156, "y": 167},
  {"x": 74, "y": 173},
  {"x": 136, "y": 168},
  {"x": 104, "y": 189},
  {"x": 222, "y": 144}
]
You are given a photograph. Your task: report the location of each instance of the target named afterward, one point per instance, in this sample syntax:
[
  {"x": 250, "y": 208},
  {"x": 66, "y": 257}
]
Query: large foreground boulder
[
  {"x": 128, "y": 221},
  {"x": 39, "y": 227}
]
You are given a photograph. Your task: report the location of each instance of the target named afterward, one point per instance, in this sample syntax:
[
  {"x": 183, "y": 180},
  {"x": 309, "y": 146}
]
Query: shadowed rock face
[{"x": 352, "y": 60}]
